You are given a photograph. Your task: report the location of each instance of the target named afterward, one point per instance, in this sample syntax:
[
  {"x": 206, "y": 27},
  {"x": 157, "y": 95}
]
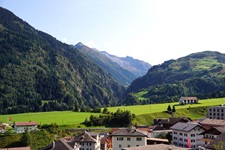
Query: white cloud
[
  {"x": 64, "y": 40},
  {"x": 90, "y": 44}
]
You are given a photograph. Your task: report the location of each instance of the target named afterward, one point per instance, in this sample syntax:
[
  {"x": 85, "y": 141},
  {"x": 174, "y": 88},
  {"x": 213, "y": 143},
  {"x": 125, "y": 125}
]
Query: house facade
[
  {"x": 20, "y": 127},
  {"x": 216, "y": 112},
  {"x": 187, "y": 135},
  {"x": 87, "y": 141},
  {"x": 212, "y": 134},
  {"x": 188, "y": 100},
  {"x": 128, "y": 138},
  {"x": 2, "y": 128}
]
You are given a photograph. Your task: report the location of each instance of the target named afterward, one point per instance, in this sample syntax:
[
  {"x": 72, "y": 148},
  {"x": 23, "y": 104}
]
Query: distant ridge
[
  {"x": 136, "y": 66},
  {"x": 199, "y": 74},
  {"x": 124, "y": 75}
]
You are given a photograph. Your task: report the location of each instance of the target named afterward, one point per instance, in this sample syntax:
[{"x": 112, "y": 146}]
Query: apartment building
[
  {"x": 187, "y": 135},
  {"x": 216, "y": 112},
  {"x": 128, "y": 138}
]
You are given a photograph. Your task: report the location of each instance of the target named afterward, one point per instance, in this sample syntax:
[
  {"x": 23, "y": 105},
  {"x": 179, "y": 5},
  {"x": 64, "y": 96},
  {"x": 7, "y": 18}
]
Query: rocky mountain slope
[
  {"x": 39, "y": 73},
  {"x": 137, "y": 67},
  {"x": 120, "y": 74}
]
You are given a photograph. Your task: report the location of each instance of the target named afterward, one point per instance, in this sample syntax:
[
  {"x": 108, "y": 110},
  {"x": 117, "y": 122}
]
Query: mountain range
[
  {"x": 124, "y": 70},
  {"x": 199, "y": 74},
  {"x": 40, "y": 73}
]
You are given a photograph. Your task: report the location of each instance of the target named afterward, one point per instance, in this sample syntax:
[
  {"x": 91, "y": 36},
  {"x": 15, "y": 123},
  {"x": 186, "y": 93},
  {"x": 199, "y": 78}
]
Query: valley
[{"x": 144, "y": 113}]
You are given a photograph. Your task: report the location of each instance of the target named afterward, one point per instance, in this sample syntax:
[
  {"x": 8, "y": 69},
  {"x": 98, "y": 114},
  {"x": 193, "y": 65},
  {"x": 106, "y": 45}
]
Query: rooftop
[
  {"x": 130, "y": 132},
  {"x": 212, "y": 122},
  {"x": 26, "y": 123},
  {"x": 189, "y": 98},
  {"x": 182, "y": 126},
  {"x": 156, "y": 147}
]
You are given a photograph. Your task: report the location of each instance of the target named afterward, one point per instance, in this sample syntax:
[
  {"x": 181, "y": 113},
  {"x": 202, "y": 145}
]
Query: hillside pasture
[
  {"x": 154, "y": 108},
  {"x": 58, "y": 117},
  {"x": 144, "y": 113}
]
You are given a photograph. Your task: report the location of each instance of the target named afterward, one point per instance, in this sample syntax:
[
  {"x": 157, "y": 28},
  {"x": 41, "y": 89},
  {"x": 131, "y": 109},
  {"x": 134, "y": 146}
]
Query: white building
[
  {"x": 87, "y": 141},
  {"x": 128, "y": 138},
  {"x": 216, "y": 112},
  {"x": 187, "y": 135},
  {"x": 20, "y": 127},
  {"x": 188, "y": 100}
]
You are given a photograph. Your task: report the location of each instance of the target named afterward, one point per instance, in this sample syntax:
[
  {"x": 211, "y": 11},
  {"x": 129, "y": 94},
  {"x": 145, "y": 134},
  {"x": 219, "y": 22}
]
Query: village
[{"x": 165, "y": 133}]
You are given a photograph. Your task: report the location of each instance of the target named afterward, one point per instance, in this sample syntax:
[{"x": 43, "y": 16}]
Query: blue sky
[{"x": 149, "y": 30}]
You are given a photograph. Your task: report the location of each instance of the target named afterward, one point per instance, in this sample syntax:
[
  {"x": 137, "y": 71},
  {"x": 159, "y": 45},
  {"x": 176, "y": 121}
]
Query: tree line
[{"x": 115, "y": 119}]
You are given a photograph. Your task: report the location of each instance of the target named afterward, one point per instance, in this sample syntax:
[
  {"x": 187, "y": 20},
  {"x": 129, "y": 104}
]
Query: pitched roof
[
  {"x": 189, "y": 98},
  {"x": 212, "y": 122},
  {"x": 85, "y": 137},
  {"x": 215, "y": 130},
  {"x": 58, "y": 145},
  {"x": 26, "y": 123},
  {"x": 156, "y": 147},
  {"x": 130, "y": 132},
  {"x": 181, "y": 126}
]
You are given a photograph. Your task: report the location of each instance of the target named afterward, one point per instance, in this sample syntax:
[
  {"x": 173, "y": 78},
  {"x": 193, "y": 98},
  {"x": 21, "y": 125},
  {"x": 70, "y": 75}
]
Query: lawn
[
  {"x": 58, "y": 117},
  {"x": 143, "y": 111},
  {"x": 153, "y": 108}
]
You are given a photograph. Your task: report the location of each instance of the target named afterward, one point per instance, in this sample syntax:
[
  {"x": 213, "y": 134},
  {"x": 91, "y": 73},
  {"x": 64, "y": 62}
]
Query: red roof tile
[{"x": 26, "y": 123}]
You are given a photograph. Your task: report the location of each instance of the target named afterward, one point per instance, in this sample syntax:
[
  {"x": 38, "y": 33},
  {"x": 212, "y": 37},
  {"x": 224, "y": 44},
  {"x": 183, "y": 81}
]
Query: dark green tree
[
  {"x": 105, "y": 111},
  {"x": 169, "y": 108},
  {"x": 174, "y": 109}
]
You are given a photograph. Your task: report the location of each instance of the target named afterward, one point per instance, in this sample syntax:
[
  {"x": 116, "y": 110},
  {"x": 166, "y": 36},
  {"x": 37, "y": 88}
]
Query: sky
[{"x": 150, "y": 30}]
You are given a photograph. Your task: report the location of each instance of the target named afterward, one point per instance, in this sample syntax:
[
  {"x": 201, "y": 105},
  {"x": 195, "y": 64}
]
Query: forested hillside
[
  {"x": 120, "y": 74},
  {"x": 200, "y": 74},
  {"x": 39, "y": 73}
]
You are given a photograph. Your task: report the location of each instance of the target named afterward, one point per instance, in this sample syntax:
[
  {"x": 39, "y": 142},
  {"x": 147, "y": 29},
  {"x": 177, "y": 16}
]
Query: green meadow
[
  {"x": 58, "y": 117},
  {"x": 144, "y": 113},
  {"x": 154, "y": 108}
]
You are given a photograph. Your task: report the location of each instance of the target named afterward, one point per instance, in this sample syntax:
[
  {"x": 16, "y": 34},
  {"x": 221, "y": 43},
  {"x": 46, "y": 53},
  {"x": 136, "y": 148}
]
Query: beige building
[
  {"x": 216, "y": 112},
  {"x": 126, "y": 138},
  {"x": 20, "y": 127},
  {"x": 88, "y": 141}
]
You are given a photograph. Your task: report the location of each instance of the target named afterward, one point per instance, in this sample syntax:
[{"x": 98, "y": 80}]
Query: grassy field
[
  {"x": 144, "y": 113},
  {"x": 58, "y": 117},
  {"x": 153, "y": 108}
]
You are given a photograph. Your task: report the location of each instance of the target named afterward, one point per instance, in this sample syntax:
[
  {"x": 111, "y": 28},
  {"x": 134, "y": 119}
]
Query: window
[
  {"x": 192, "y": 135},
  {"x": 128, "y": 145},
  {"x": 181, "y": 133},
  {"x": 137, "y": 145},
  {"x": 192, "y": 140},
  {"x": 185, "y": 140},
  {"x": 185, "y": 134},
  {"x": 128, "y": 138},
  {"x": 181, "y": 139},
  {"x": 139, "y": 139},
  {"x": 120, "y": 146},
  {"x": 119, "y": 138},
  {"x": 175, "y": 138},
  {"x": 174, "y": 132}
]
